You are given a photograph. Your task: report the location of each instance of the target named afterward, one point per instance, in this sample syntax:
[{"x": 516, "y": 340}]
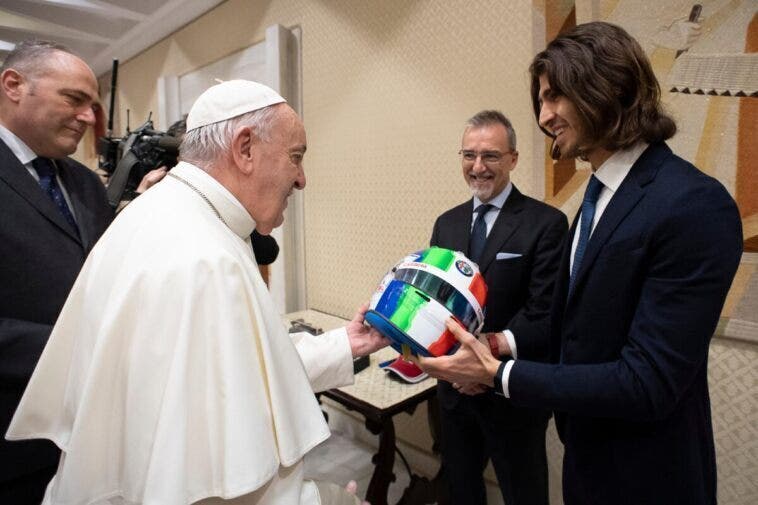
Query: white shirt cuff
[
  {"x": 511, "y": 341},
  {"x": 506, "y": 375}
]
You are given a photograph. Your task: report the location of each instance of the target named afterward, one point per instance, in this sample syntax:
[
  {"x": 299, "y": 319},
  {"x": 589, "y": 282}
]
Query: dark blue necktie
[
  {"x": 479, "y": 233},
  {"x": 49, "y": 184},
  {"x": 588, "y": 213}
]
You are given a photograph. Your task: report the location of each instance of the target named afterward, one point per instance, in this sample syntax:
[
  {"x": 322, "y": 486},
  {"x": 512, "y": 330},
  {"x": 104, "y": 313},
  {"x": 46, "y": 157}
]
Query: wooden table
[{"x": 378, "y": 398}]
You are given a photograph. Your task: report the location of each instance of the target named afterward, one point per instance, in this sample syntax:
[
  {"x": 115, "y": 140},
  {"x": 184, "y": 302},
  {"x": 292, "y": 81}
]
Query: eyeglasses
[{"x": 489, "y": 158}]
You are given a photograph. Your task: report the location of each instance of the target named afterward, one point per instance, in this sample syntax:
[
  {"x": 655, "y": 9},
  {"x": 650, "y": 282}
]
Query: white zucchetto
[{"x": 230, "y": 99}]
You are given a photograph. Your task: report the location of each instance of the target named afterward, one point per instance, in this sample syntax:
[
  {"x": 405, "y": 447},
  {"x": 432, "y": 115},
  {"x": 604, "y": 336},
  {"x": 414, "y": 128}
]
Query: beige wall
[{"x": 386, "y": 92}]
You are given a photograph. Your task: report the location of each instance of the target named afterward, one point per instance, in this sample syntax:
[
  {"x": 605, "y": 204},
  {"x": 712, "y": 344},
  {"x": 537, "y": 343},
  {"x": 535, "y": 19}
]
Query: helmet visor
[{"x": 443, "y": 292}]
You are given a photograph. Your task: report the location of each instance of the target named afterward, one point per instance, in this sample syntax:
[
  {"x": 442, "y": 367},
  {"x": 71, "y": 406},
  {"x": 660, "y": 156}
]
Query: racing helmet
[{"x": 416, "y": 297}]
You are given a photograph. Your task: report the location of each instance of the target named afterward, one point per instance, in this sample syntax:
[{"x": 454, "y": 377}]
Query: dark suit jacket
[
  {"x": 519, "y": 289},
  {"x": 40, "y": 257},
  {"x": 631, "y": 389}
]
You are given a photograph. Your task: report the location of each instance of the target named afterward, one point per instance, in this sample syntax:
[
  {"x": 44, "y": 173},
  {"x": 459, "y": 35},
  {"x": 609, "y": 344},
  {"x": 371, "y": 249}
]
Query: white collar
[
  {"x": 614, "y": 170},
  {"x": 17, "y": 146},
  {"x": 229, "y": 208},
  {"x": 499, "y": 200}
]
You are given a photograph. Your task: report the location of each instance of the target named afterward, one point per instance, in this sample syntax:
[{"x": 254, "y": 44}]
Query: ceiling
[{"x": 97, "y": 30}]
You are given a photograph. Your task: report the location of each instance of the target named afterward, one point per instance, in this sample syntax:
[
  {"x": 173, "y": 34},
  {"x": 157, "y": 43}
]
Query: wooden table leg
[{"x": 384, "y": 460}]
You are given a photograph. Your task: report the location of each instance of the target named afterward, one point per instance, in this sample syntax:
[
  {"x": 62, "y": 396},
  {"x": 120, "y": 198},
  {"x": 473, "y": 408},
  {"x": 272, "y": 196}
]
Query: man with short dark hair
[
  {"x": 642, "y": 282},
  {"x": 52, "y": 210},
  {"x": 516, "y": 242}
]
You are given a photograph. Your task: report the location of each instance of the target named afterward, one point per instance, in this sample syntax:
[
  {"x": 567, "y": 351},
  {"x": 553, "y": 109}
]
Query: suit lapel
[
  {"x": 462, "y": 227},
  {"x": 630, "y": 192},
  {"x": 20, "y": 180},
  {"x": 503, "y": 228},
  {"x": 562, "y": 281}
]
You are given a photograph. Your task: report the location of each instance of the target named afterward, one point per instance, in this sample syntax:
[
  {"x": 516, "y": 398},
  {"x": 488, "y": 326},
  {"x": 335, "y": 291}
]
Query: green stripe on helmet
[
  {"x": 438, "y": 257},
  {"x": 408, "y": 306}
]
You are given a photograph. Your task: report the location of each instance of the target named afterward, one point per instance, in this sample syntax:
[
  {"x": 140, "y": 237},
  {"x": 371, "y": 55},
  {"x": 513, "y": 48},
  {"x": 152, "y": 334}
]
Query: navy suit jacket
[
  {"x": 40, "y": 257},
  {"x": 629, "y": 345},
  {"x": 519, "y": 289}
]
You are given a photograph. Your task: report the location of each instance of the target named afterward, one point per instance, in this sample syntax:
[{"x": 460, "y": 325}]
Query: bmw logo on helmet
[{"x": 416, "y": 297}]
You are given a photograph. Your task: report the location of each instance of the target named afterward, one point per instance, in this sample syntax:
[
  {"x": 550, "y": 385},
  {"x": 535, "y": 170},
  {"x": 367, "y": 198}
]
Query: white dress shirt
[{"x": 497, "y": 202}]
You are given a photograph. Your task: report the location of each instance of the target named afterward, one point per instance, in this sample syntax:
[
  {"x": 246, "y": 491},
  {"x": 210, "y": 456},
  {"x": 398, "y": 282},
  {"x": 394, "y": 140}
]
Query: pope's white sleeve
[{"x": 327, "y": 358}]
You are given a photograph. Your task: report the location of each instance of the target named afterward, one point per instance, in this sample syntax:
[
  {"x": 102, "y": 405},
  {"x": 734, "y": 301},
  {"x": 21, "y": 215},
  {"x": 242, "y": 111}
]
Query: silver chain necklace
[{"x": 202, "y": 195}]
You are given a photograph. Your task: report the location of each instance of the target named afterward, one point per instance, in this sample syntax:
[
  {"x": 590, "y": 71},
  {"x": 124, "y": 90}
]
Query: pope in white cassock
[{"x": 169, "y": 377}]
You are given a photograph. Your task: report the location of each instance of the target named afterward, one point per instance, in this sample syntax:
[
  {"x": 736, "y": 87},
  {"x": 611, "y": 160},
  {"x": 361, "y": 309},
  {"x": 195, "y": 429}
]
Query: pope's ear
[{"x": 243, "y": 145}]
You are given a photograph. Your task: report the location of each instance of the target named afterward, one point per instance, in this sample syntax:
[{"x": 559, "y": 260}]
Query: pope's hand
[
  {"x": 363, "y": 338},
  {"x": 472, "y": 362}
]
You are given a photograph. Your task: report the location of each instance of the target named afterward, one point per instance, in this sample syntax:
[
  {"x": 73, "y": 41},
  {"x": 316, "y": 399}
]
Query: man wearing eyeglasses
[{"x": 516, "y": 242}]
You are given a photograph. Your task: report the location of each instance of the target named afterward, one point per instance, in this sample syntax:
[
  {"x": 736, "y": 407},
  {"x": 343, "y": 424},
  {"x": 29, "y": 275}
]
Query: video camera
[{"x": 127, "y": 159}]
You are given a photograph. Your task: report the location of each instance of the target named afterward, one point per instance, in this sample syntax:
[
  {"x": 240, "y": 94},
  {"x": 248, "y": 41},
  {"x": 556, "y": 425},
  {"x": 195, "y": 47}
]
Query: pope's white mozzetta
[{"x": 169, "y": 377}]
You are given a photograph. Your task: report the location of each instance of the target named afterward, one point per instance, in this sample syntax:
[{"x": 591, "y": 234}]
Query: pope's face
[
  {"x": 56, "y": 106},
  {"x": 487, "y": 160},
  {"x": 280, "y": 169}
]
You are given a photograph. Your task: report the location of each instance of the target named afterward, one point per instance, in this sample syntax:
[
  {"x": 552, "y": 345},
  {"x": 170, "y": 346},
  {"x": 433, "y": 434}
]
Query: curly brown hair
[{"x": 605, "y": 73}]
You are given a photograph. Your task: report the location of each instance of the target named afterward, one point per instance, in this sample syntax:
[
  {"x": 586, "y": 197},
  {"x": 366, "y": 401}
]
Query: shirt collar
[
  {"x": 615, "y": 169},
  {"x": 499, "y": 200},
  {"x": 230, "y": 209},
  {"x": 17, "y": 146}
]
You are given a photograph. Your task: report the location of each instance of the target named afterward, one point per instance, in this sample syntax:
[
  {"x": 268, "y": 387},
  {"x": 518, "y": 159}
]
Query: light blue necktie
[
  {"x": 588, "y": 213},
  {"x": 479, "y": 233},
  {"x": 49, "y": 184}
]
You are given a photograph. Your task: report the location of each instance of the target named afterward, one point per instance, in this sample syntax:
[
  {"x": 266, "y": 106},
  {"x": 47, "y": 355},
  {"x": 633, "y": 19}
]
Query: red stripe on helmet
[
  {"x": 478, "y": 288},
  {"x": 447, "y": 340}
]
